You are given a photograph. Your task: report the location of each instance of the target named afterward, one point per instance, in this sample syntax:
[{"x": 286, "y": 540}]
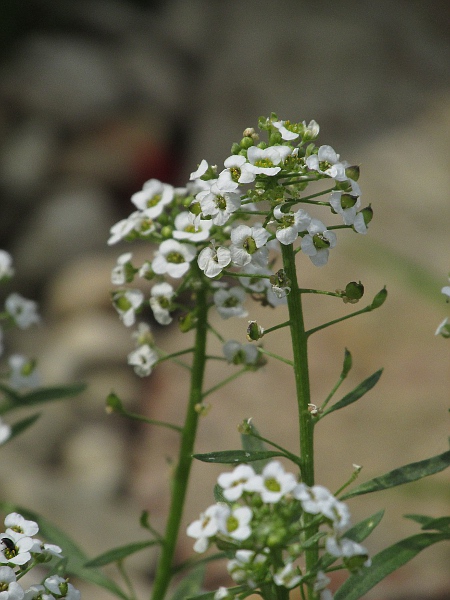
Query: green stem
[
  {"x": 181, "y": 476},
  {"x": 299, "y": 341}
]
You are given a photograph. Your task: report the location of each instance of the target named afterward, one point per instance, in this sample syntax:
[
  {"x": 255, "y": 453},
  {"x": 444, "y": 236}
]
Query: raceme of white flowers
[
  {"x": 224, "y": 229},
  {"x": 260, "y": 521},
  {"x": 19, "y": 552}
]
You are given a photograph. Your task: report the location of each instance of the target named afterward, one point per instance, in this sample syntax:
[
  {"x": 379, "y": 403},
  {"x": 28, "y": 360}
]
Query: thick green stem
[
  {"x": 181, "y": 476},
  {"x": 299, "y": 341}
]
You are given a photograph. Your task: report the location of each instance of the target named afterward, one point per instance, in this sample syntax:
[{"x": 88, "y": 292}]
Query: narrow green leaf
[
  {"x": 77, "y": 558},
  {"x": 20, "y": 426},
  {"x": 439, "y": 523},
  {"x": 253, "y": 444},
  {"x": 191, "y": 584},
  {"x": 39, "y": 396},
  {"x": 356, "y": 394},
  {"x": 405, "y": 474},
  {"x": 231, "y": 457},
  {"x": 119, "y": 553},
  {"x": 421, "y": 519},
  {"x": 384, "y": 563}
]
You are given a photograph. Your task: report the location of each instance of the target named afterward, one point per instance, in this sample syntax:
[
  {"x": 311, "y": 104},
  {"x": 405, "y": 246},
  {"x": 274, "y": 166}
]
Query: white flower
[
  {"x": 19, "y": 554},
  {"x": 6, "y": 269},
  {"x": 273, "y": 483},
  {"x": 143, "y": 359},
  {"x": 266, "y": 161},
  {"x": 220, "y": 201},
  {"x": 160, "y": 300},
  {"x": 46, "y": 550},
  {"x": 202, "y": 168},
  {"x": 290, "y": 224},
  {"x": 245, "y": 565},
  {"x": 212, "y": 260},
  {"x": 261, "y": 285},
  {"x": 173, "y": 258},
  {"x": 23, "y": 372},
  {"x": 288, "y": 576},
  {"x": 327, "y": 163},
  {"x": 346, "y": 548},
  {"x": 229, "y": 303},
  {"x": 317, "y": 242},
  {"x": 204, "y": 528},
  {"x": 446, "y": 291},
  {"x": 127, "y": 302},
  {"x": 286, "y": 129},
  {"x": 443, "y": 329},
  {"x": 245, "y": 241},
  {"x": 5, "y": 432},
  {"x": 22, "y": 310},
  {"x": 21, "y": 526},
  {"x": 59, "y": 586},
  {"x": 310, "y": 131},
  {"x": 9, "y": 588},
  {"x": 186, "y": 229},
  {"x": 239, "y": 354},
  {"x": 237, "y": 169},
  {"x": 138, "y": 222},
  {"x": 37, "y": 591},
  {"x": 345, "y": 205},
  {"x": 319, "y": 500},
  {"x": 121, "y": 272},
  {"x": 234, "y": 522},
  {"x": 234, "y": 484},
  {"x": 153, "y": 197}
]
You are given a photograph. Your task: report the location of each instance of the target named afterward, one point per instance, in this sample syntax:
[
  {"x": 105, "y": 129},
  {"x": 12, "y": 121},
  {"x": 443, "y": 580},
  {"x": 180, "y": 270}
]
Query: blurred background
[{"x": 98, "y": 96}]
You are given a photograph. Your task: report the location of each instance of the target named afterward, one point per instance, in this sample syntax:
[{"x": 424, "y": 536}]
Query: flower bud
[
  {"x": 166, "y": 232},
  {"x": 254, "y": 331},
  {"x": 379, "y": 299},
  {"x": 275, "y": 138},
  {"x": 235, "y": 148},
  {"x": 246, "y": 142},
  {"x": 352, "y": 172},
  {"x": 348, "y": 361},
  {"x": 195, "y": 208}
]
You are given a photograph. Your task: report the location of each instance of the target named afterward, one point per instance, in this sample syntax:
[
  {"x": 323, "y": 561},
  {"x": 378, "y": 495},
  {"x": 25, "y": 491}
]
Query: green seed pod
[
  {"x": 348, "y": 361},
  {"x": 354, "y": 291},
  {"x": 379, "y": 299}
]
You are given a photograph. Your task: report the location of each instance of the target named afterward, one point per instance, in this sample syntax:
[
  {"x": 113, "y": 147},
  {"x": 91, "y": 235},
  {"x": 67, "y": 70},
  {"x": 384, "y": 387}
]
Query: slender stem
[
  {"x": 334, "y": 321},
  {"x": 181, "y": 476},
  {"x": 224, "y": 382},
  {"x": 300, "y": 352}
]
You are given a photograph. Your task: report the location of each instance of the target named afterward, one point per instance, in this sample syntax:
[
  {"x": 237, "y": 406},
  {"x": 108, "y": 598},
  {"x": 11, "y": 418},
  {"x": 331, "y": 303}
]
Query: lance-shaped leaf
[
  {"x": 19, "y": 426},
  {"x": 119, "y": 553},
  {"x": 190, "y": 585},
  {"x": 14, "y": 400},
  {"x": 232, "y": 457},
  {"x": 384, "y": 563},
  {"x": 356, "y": 394},
  {"x": 405, "y": 474},
  {"x": 439, "y": 523},
  {"x": 77, "y": 558},
  {"x": 250, "y": 443}
]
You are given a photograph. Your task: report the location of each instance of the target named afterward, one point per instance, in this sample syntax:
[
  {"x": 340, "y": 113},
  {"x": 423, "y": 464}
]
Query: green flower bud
[
  {"x": 235, "y": 148},
  {"x": 195, "y": 208},
  {"x": 352, "y": 172},
  {"x": 348, "y": 361},
  {"x": 166, "y": 232},
  {"x": 246, "y": 142},
  {"x": 254, "y": 331},
  {"x": 379, "y": 299},
  {"x": 275, "y": 138},
  {"x": 354, "y": 291}
]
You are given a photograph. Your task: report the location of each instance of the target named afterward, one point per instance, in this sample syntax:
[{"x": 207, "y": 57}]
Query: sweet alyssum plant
[{"x": 231, "y": 235}]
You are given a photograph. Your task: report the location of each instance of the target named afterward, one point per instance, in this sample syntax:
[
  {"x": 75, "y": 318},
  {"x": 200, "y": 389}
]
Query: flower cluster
[
  {"x": 261, "y": 521},
  {"x": 19, "y": 553},
  {"x": 20, "y": 312},
  {"x": 228, "y": 225}
]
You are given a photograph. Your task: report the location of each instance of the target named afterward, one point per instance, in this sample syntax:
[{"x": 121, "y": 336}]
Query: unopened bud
[
  {"x": 254, "y": 331},
  {"x": 235, "y": 148},
  {"x": 166, "y": 232},
  {"x": 246, "y": 142},
  {"x": 379, "y": 299},
  {"x": 348, "y": 361}
]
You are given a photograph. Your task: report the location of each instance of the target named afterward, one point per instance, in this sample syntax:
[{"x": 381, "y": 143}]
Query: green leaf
[
  {"x": 210, "y": 595},
  {"x": 439, "y": 523},
  {"x": 191, "y": 584},
  {"x": 39, "y": 396},
  {"x": 356, "y": 394},
  {"x": 77, "y": 558},
  {"x": 119, "y": 553},
  {"x": 253, "y": 444},
  {"x": 20, "y": 426},
  {"x": 230, "y": 457},
  {"x": 384, "y": 563},
  {"x": 402, "y": 475}
]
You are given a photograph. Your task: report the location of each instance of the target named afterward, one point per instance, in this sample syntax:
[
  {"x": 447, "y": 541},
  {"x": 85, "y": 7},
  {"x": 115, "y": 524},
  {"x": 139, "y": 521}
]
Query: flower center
[
  {"x": 175, "y": 257},
  {"x": 320, "y": 242},
  {"x": 154, "y": 200},
  {"x": 221, "y": 203},
  {"x": 250, "y": 245},
  {"x": 272, "y": 484},
  {"x": 232, "y": 523},
  {"x": 264, "y": 163}
]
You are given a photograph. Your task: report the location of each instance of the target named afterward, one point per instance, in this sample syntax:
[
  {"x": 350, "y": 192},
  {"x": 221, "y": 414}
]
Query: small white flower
[
  {"x": 37, "y": 591},
  {"x": 160, "y": 301},
  {"x": 6, "y": 269},
  {"x": 346, "y": 548},
  {"x": 237, "y": 169},
  {"x": 345, "y": 205},
  {"x": 202, "y": 168},
  {"x": 446, "y": 291},
  {"x": 22, "y": 310},
  {"x": 20, "y": 554},
  {"x": 137, "y": 222},
  {"x": 234, "y": 484},
  {"x": 229, "y": 303},
  {"x": 261, "y": 285},
  {"x": 5, "y": 432},
  {"x": 186, "y": 229},
  {"x": 21, "y": 526},
  {"x": 288, "y": 576},
  {"x": 143, "y": 359},
  {"x": 212, "y": 260},
  {"x": 290, "y": 224},
  {"x": 327, "y": 163},
  {"x": 266, "y": 161},
  {"x": 238, "y": 354},
  {"x": 286, "y": 129},
  {"x": 234, "y": 522},
  {"x": 9, "y": 588},
  {"x": 121, "y": 272},
  {"x": 173, "y": 258},
  {"x": 127, "y": 302},
  {"x": 221, "y": 594},
  {"x": 204, "y": 528},
  {"x": 317, "y": 242},
  {"x": 23, "y": 372},
  {"x": 220, "y": 201},
  {"x": 245, "y": 241},
  {"x": 59, "y": 586},
  {"x": 153, "y": 197},
  {"x": 273, "y": 483}
]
